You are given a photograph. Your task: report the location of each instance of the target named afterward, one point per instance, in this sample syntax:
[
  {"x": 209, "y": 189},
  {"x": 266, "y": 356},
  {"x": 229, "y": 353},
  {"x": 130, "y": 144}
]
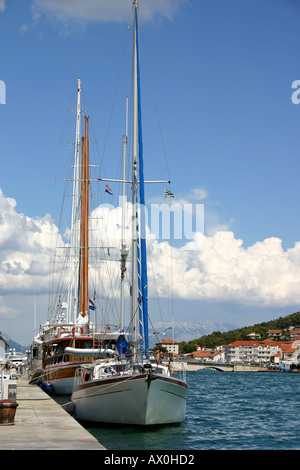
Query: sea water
[{"x": 225, "y": 411}]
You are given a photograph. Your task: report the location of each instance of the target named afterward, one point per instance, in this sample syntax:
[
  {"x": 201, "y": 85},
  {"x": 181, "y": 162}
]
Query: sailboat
[
  {"x": 70, "y": 338},
  {"x": 130, "y": 388}
]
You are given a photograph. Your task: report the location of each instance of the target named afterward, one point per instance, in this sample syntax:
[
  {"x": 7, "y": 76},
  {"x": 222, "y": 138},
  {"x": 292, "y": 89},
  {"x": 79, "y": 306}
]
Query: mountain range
[
  {"x": 188, "y": 331},
  {"x": 13, "y": 344},
  {"x": 183, "y": 331}
]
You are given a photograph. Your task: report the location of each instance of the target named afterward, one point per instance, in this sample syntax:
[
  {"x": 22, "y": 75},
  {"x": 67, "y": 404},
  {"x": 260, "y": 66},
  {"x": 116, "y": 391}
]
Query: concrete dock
[{"x": 42, "y": 424}]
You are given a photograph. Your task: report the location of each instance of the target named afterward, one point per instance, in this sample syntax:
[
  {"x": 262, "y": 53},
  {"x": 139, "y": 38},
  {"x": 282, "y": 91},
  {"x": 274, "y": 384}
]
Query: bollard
[{"x": 7, "y": 412}]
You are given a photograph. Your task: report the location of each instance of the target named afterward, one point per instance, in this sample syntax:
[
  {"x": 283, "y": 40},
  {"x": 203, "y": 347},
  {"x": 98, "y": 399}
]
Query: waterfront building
[
  {"x": 207, "y": 356},
  {"x": 290, "y": 353},
  {"x": 170, "y": 345},
  {"x": 202, "y": 355},
  {"x": 274, "y": 333},
  {"x": 261, "y": 352},
  {"x": 255, "y": 352},
  {"x": 253, "y": 335},
  {"x": 294, "y": 333}
]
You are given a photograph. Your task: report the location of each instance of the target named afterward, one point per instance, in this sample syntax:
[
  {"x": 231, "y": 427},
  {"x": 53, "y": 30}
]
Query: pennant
[
  {"x": 168, "y": 193},
  {"x": 108, "y": 190}
]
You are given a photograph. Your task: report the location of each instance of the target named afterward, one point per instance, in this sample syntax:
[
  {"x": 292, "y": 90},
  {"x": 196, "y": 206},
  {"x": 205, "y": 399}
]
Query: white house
[{"x": 170, "y": 345}]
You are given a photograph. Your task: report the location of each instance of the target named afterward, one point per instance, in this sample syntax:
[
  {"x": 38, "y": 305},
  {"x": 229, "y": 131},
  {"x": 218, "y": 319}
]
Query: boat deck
[{"x": 42, "y": 424}]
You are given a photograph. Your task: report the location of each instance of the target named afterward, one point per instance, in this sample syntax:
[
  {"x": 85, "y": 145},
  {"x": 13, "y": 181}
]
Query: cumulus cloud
[
  {"x": 106, "y": 11},
  {"x": 220, "y": 268},
  {"x": 210, "y": 268},
  {"x": 25, "y": 246},
  {"x": 5, "y": 311}
]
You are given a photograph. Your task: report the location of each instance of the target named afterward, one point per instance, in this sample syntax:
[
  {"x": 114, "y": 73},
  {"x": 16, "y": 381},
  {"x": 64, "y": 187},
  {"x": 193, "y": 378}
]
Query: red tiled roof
[
  {"x": 200, "y": 354},
  {"x": 284, "y": 345},
  {"x": 267, "y": 342},
  {"x": 288, "y": 348},
  {"x": 168, "y": 341}
]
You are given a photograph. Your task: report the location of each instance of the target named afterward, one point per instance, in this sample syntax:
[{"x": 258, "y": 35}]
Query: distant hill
[
  {"x": 217, "y": 337},
  {"x": 13, "y": 345},
  {"x": 188, "y": 331}
]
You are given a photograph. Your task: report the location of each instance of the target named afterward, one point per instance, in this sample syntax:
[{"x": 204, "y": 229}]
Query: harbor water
[{"x": 225, "y": 411}]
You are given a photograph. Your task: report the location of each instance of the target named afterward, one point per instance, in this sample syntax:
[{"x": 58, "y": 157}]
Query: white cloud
[
  {"x": 210, "y": 268},
  {"x": 2, "y": 5},
  {"x": 24, "y": 249},
  {"x": 220, "y": 268},
  {"x": 24, "y": 28},
  {"x": 5, "y": 311},
  {"x": 107, "y": 10},
  {"x": 198, "y": 194}
]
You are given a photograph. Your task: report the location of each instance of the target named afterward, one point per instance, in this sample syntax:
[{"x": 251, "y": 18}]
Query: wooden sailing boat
[
  {"x": 67, "y": 344},
  {"x": 129, "y": 388}
]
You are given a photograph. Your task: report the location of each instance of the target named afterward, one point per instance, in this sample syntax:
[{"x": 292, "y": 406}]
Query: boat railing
[
  {"x": 59, "y": 330},
  {"x": 82, "y": 374},
  {"x": 78, "y": 379},
  {"x": 180, "y": 370}
]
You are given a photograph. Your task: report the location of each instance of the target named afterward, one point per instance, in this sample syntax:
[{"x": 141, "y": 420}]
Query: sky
[{"x": 221, "y": 120}]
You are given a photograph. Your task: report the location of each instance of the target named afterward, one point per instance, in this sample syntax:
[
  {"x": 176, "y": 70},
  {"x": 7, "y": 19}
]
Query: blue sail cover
[
  {"x": 143, "y": 254},
  {"x": 122, "y": 344},
  {"x": 140, "y": 304}
]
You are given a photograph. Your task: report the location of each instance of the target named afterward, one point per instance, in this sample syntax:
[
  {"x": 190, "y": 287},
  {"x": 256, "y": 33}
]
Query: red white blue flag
[{"x": 108, "y": 190}]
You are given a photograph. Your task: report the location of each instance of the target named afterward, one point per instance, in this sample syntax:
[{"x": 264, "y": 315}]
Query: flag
[
  {"x": 108, "y": 190},
  {"x": 92, "y": 305},
  {"x": 168, "y": 193}
]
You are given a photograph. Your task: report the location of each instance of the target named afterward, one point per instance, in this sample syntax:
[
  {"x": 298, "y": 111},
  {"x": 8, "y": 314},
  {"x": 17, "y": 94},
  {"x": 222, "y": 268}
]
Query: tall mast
[
  {"x": 140, "y": 285},
  {"x": 134, "y": 280},
  {"x": 124, "y": 251},
  {"x": 143, "y": 275},
  {"x": 74, "y": 242},
  {"x": 84, "y": 222}
]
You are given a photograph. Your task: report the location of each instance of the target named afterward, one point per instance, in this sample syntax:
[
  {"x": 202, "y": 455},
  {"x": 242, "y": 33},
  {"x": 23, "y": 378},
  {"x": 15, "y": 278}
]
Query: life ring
[
  {"x": 86, "y": 376},
  {"x": 73, "y": 331}
]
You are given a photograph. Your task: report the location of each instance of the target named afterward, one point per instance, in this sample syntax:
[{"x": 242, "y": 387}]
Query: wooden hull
[{"x": 61, "y": 376}]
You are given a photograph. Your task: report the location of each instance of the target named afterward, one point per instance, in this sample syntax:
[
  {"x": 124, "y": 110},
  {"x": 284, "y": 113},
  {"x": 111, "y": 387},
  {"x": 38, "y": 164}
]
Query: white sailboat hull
[{"x": 132, "y": 399}]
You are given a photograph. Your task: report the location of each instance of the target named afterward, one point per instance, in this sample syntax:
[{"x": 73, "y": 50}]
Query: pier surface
[{"x": 42, "y": 424}]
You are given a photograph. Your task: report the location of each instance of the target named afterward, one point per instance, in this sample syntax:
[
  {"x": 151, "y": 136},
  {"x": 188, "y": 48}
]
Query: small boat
[
  {"x": 129, "y": 388},
  {"x": 289, "y": 366}
]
